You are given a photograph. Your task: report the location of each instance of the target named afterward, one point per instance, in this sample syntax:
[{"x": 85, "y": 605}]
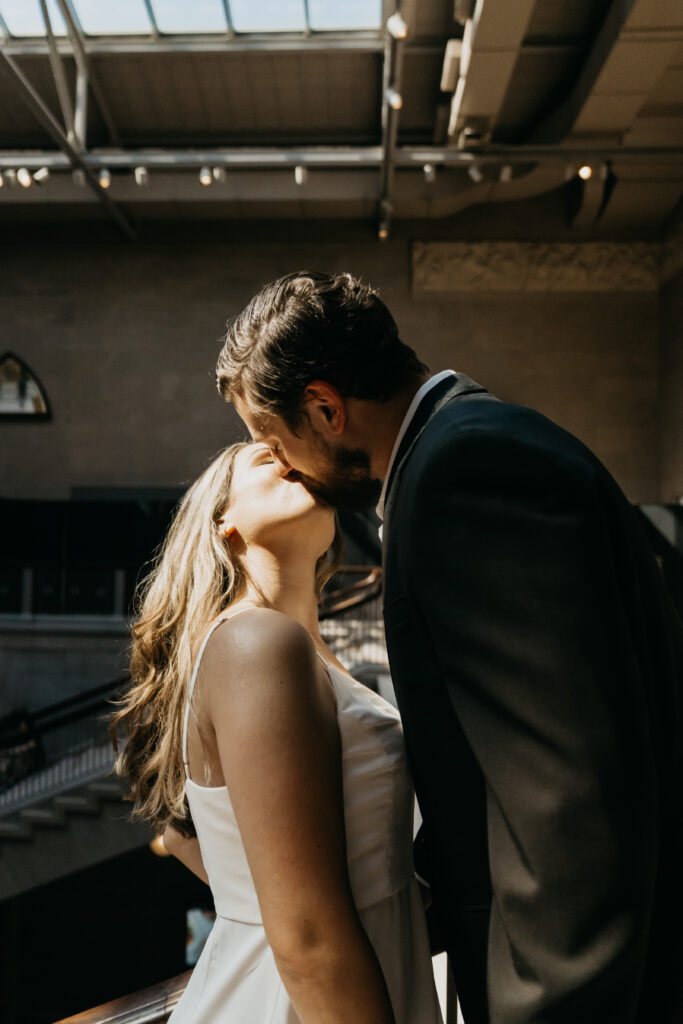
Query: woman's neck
[{"x": 286, "y": 585}]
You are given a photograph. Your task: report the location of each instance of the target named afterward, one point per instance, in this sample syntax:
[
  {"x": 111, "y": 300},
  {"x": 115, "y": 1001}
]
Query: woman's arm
[
  {"x": 186, "y": 850},
  {"x": 275, "y": 720}
]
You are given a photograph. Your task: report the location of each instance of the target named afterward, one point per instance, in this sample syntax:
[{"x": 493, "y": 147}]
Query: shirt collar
[{"x": 412, "y": 409}]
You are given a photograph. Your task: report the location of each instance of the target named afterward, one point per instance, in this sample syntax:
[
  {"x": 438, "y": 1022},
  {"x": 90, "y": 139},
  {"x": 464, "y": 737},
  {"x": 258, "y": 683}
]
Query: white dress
[{"x": 235, "y": 980}]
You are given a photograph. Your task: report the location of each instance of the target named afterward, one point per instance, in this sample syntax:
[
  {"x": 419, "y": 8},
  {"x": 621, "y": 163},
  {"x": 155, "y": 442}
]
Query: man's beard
[{"x": 346, "y": 482}]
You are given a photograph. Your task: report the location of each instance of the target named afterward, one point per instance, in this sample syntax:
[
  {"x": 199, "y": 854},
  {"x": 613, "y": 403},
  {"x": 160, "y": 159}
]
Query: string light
[
  {"x": 141, "y": 175},
  {"x": 393, "y": 98},
  {"x": 205, "y": 176},
  {"x": 42, "y": 175},
  {"x": 585, "y": 172},
  {"x": 104, "y": 178},
  {"x": 300, "y": 174},
  {"x": 24, "y": 177},
  {"x": 396, "y": 26}
]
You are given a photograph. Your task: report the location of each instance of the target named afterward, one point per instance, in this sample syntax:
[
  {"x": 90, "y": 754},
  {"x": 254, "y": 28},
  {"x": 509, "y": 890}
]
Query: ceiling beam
[
  {"x": 45, "y": 118},
  {"x": 559, "y": 123},
  {"x": 492, "y": 39}
]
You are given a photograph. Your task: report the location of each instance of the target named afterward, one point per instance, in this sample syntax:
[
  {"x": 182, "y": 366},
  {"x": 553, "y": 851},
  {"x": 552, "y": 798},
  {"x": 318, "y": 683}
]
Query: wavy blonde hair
[{"x": 194, "y": 577}]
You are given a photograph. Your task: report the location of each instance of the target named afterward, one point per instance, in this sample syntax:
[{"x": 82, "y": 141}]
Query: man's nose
[{"x": 282, "y": 466}]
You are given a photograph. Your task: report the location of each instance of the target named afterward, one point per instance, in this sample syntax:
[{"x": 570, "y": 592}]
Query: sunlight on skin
[{"x": 129, "y": 17}]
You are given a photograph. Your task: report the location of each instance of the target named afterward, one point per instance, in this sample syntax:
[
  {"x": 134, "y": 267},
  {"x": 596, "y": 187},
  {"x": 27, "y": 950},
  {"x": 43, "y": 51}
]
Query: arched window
[{"x": 21, "y": 395}]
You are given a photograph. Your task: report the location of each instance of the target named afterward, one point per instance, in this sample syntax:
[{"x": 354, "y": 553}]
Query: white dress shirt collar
[{"x": 412, "y": 409}]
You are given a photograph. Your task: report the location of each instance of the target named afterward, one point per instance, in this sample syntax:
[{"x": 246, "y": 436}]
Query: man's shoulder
[{"x": 478, "y": 428}]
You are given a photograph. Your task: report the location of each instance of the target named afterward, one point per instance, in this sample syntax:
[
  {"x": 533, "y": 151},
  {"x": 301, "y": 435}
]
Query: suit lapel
[{"x": 445, "y": 391}]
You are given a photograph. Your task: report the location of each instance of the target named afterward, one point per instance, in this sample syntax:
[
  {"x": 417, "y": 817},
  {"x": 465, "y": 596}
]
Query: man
[{"x": 536, "y": 657}]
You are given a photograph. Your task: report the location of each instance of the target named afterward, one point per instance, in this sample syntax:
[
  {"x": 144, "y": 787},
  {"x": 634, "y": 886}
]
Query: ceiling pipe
[{"x": 392, "y": 101}]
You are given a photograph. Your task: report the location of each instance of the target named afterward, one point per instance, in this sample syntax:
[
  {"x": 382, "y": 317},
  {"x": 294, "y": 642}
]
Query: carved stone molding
[{"x": 535, "y": 267}]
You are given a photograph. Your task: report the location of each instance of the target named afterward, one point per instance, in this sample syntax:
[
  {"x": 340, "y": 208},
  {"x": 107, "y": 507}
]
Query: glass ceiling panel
[
  {"x": 113, "y": 17},
  {"x": 198, "y": 16},
  {"x": 327, "y": 15},
  {"x": 129, "y": 17},
  {"x": 25, "y": 18},
  {"x": 268, "y": 15}
]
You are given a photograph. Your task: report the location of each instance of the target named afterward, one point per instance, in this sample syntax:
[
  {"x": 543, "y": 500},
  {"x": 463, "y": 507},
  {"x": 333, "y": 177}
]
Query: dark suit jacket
[{"x": 538, "y": 666}]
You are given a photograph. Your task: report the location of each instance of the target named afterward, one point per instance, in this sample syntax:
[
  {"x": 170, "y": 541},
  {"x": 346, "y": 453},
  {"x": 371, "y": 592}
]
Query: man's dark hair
[{"x": 311, "y": 326}]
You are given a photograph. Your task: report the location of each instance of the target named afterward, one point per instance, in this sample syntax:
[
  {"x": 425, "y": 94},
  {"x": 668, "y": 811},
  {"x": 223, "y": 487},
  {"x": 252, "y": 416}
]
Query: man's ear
[{"x": 325, "y": 407}]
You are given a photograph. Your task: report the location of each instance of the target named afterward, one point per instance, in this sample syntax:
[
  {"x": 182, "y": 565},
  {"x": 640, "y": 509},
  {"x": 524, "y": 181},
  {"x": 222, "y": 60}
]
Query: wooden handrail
[
  {"x": 358, "y": 593},
  {"x": 144, "y": 1007}
]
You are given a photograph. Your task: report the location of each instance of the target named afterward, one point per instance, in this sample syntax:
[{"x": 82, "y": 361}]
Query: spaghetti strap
[{"x": 193, "y": 680}]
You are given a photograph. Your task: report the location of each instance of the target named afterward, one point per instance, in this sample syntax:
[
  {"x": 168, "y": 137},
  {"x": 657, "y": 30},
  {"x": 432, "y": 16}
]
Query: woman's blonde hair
[{"x": 193, "y": 579}]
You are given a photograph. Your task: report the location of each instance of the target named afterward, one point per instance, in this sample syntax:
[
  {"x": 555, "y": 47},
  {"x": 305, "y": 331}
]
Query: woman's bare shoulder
[{"x": 261, "y": 642}]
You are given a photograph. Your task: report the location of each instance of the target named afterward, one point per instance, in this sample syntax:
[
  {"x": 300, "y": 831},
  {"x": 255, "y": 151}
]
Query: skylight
[
  {"x": 25, "y": 18},
  {"x": 198, "y": 16},
  {"x": 118, "y": 17},
  {"x": 174, "y": 17},
  {"x": 268, "y": 16}
]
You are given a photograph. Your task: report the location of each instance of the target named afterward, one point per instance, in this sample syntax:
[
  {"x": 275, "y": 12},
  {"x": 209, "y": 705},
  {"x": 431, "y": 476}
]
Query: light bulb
[
  {"x": 394, "y": 99},
  {"x": 397, "y": 26}
]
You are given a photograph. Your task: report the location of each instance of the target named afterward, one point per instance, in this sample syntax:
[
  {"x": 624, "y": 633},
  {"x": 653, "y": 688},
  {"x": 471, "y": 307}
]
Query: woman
[{"x": 293, "y": 773}]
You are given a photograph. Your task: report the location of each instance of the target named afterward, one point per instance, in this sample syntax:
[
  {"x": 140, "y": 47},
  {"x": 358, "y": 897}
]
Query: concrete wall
[
  {"x": 124, "y": 339},
  {"x": 46, "y": 660}
]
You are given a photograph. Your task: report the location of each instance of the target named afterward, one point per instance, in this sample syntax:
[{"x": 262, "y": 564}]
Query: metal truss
[
  {"x": 385, "y": 158},
  {"x": 72, "y": 139},
  {"x": 340, "y": 158},
  {"x": 354, "y": 42}
]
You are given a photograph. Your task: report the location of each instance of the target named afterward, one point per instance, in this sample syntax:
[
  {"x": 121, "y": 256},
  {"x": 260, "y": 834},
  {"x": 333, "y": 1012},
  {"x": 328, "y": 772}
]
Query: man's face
[{"x": 339, "y": 475}]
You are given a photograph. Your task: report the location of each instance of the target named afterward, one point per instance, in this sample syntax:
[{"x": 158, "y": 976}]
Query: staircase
[
  {"x": 69, "y": 813},
  {"x": 76, "y": 785}
]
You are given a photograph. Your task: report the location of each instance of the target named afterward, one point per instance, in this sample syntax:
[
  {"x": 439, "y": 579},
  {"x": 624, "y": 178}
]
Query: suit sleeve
[{"x": 514, "y": 574}]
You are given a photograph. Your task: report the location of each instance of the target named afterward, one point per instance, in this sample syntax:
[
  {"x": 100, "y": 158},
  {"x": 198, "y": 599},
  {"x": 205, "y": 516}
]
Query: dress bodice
[{"x": 378, "y": 807}]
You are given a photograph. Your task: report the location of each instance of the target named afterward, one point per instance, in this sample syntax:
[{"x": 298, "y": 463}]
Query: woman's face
[{"x": 264, "y": 505}]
